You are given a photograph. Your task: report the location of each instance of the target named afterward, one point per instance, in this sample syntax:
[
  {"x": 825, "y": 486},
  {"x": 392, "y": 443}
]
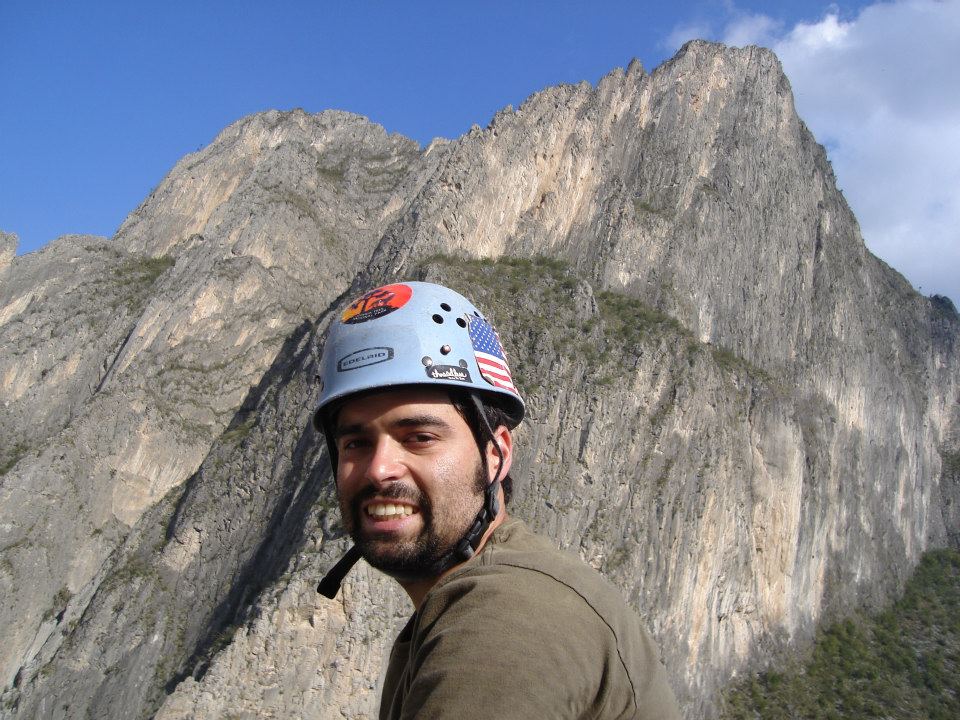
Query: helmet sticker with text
[
  {"x": 377, "y": 303},
  {"x": 449, "y": 372},
  {"x": 363, "y": 358}
]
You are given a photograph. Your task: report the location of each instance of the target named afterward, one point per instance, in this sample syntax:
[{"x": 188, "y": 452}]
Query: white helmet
[{"x": 415, "y": 333}]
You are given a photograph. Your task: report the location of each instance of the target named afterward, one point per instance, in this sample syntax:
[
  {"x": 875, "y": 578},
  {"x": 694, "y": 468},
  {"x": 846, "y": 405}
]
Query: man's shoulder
[
  {"x": 524, "y": 595},
  {"x": 521, "y": 571},
  {"x": 524, "y": 598},
  {"x": 521, "y": 550}
]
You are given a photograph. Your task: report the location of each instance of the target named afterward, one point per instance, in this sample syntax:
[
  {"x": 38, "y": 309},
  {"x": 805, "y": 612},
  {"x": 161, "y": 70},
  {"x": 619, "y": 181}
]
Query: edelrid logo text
[{"x": 363, "y": 358}]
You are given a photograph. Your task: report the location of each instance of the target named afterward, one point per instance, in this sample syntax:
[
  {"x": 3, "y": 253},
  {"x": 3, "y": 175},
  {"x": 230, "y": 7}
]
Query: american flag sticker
[{"x": 489, "y": 353}]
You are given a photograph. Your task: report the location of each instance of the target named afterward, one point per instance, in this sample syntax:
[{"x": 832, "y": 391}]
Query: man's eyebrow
[
  {"x": 340, "y": 430},
  {"x": 405, "y": 422},
  {"x": 422, "y": 421}
]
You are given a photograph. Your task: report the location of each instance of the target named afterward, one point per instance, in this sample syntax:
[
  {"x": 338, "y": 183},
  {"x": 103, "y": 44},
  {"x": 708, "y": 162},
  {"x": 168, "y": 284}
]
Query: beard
[{"x": 433, "y": 550}]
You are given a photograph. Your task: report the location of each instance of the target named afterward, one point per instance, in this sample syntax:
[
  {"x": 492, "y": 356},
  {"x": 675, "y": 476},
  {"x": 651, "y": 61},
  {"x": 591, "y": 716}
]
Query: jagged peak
[
  {"x": 299, "y": 120},
  {"x": 635, "y": 67},
  {"x": 697, "y": 53},
  {"x": 693, "y": 56},
  {"x": 8, "y": 247}
]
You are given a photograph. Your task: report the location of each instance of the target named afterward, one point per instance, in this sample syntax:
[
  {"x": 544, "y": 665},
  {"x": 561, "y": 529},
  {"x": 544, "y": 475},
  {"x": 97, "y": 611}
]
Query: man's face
[{"x": 410, "y": 479}]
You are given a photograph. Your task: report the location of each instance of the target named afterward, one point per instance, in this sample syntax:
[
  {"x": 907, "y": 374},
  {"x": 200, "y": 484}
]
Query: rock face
[{"x": 739, "y": 415}]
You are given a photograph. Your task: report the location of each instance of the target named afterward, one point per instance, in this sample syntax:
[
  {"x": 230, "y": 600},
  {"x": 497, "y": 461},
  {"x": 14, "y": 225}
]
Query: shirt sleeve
[{"x": 514, "y": 644}]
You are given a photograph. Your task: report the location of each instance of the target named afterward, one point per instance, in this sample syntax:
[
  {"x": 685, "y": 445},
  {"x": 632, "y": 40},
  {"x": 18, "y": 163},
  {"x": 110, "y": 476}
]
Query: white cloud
[
  {"x": 750, "y": 30},
  {"x": 827, "y": 34},
  {"x": 882, "y": 92}
]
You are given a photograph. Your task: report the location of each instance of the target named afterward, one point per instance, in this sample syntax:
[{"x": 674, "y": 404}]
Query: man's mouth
[{"x": 389, "y": 511}]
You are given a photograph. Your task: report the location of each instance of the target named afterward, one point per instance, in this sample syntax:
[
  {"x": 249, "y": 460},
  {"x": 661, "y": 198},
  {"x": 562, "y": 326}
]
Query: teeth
[{"x": 389, "y": 509}]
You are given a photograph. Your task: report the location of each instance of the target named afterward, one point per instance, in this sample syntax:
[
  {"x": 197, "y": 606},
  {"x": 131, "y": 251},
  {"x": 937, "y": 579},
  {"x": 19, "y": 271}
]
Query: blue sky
[{"x": 100, "y": 99}]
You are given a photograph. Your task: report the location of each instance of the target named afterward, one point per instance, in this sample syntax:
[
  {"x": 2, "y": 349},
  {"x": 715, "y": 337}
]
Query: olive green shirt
[{"x": 525, "y": 631}]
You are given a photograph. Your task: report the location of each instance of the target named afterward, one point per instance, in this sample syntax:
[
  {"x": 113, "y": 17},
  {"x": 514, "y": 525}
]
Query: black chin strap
[
  {"x": 491, "y": 496},
  {"x": 466, "y": 548},
  {"x": 330, "y": 584}
]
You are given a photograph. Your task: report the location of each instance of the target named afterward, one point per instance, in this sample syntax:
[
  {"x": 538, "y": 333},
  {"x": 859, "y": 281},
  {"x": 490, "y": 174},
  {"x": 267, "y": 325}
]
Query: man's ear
[{"x": 505, "y": 441}]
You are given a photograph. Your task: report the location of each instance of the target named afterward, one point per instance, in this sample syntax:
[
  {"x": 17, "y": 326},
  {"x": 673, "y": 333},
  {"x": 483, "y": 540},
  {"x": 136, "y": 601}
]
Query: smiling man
[{"x": 417, "y": 404}]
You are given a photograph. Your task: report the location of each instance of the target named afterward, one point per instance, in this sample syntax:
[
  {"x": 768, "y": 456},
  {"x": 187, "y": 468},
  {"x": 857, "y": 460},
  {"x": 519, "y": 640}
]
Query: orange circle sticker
[{"x": 377, "y": 303}]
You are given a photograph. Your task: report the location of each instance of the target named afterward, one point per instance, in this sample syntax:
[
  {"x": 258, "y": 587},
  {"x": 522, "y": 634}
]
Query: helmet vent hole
[
  {"x": 438, "y": 319},
  {"x": 445, "y": 307},
  {"x": 461, "y": 322}
]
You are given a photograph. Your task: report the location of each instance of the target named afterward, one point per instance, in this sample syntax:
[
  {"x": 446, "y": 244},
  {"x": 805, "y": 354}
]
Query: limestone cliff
[{"x": 738, "y": 414}]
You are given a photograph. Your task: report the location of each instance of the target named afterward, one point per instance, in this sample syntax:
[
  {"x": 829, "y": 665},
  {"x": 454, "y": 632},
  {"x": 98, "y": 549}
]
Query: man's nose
[{"x": 384, "y": 466}]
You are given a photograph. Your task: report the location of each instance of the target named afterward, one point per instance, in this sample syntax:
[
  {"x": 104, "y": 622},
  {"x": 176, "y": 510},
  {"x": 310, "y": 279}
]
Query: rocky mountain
[{"x": 738, "y": 414}]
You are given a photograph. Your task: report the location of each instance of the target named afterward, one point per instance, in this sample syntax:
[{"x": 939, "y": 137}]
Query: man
[{"x": 417, "y": 404}]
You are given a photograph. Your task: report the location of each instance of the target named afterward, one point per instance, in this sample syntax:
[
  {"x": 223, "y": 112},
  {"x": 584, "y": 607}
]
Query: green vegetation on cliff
[{"x": 901, "y": 663}]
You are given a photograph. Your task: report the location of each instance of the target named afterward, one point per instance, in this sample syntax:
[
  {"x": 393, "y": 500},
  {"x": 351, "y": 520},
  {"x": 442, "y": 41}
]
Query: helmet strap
[
  {"x": 467, "y": 547},
  {"x": 331, "y": 582}
]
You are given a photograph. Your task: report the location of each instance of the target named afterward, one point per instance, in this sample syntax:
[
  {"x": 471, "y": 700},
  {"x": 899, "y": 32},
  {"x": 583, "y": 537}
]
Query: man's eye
[
  {"x": 420, "y": 438},
  {"x": 352, "y": 444}
]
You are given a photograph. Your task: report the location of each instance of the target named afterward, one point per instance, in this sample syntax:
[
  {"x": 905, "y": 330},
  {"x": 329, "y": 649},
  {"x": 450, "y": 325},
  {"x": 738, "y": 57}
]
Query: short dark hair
[{"x": 496, "y": 416}]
